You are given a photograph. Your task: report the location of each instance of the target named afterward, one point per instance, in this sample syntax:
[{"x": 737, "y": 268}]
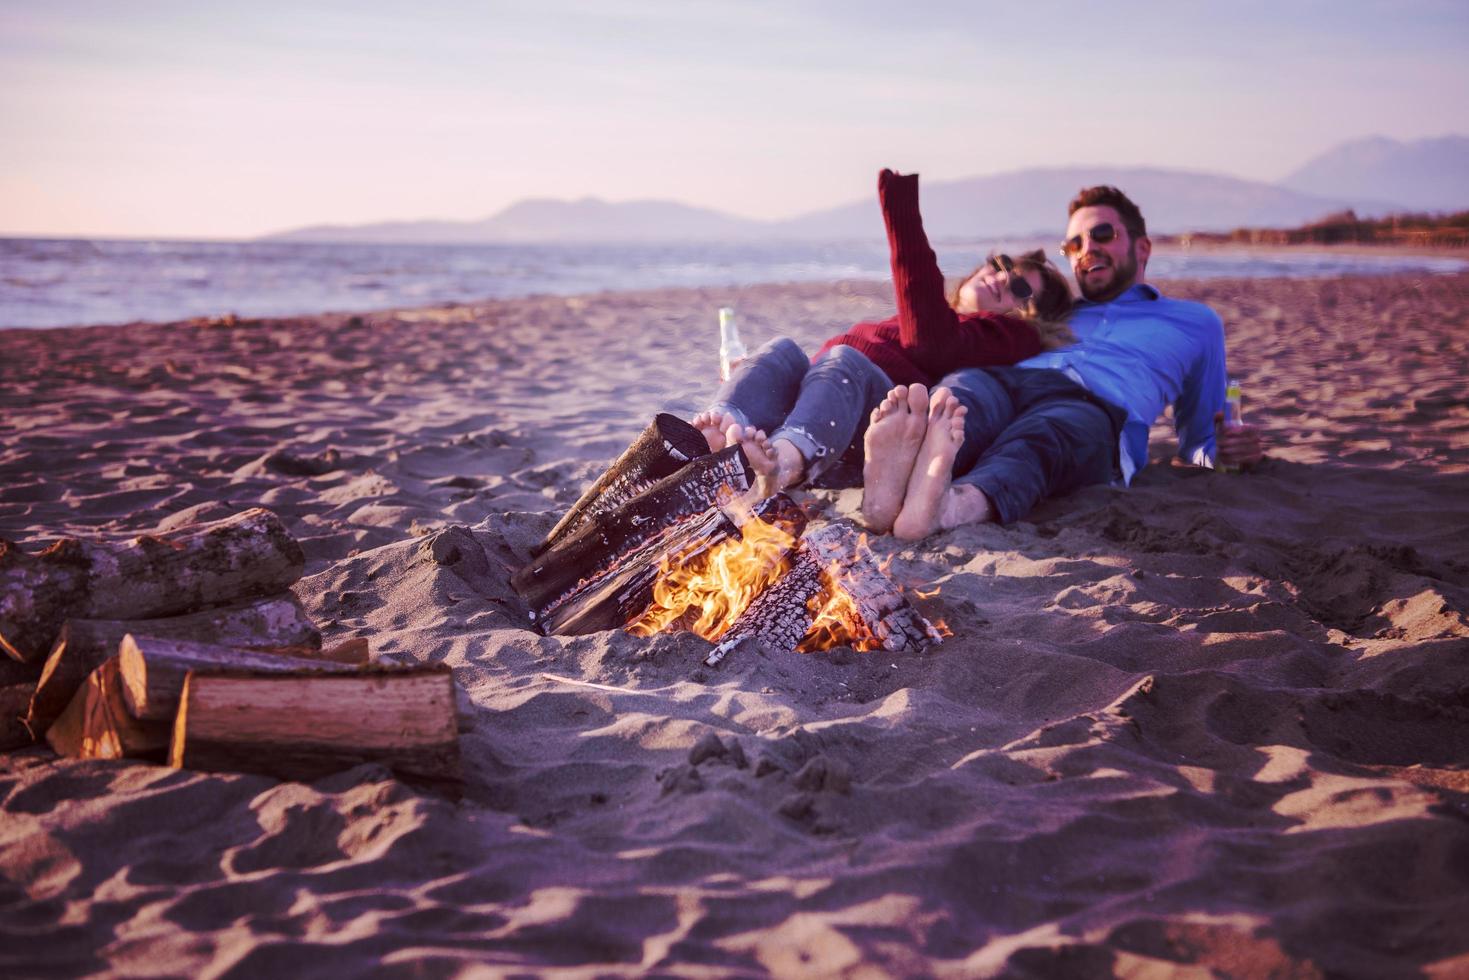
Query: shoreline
[
  {"x": 222, "y": 288},
  {"x": 1199, "y": 722}
]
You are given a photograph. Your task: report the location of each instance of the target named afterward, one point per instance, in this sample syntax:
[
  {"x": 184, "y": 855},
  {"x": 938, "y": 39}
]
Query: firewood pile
[
  {"x": 672, "y": 537},
  {"x": 190, "y": 649}
]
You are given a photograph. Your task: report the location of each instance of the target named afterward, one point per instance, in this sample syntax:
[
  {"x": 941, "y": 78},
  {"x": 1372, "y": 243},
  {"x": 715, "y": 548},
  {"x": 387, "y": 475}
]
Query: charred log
[
  {"x": 830, "y": 560},
  {"x": 664, "y": 447},
  {"x": 599, "y": 546},
  {"x": 13, "y": 701},
  {"x": 621, "y": 595},
  {"x": 780, "y": 616}
]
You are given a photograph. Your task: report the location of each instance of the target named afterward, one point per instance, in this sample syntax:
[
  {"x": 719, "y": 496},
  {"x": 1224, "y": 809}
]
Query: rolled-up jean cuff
[
  {"x": 1007, "y": 504},
  {"x": 728, "y": 409},
  {"x": 818, "y": 458}
]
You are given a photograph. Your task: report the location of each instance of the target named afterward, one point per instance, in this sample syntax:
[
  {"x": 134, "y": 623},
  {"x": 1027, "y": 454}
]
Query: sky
[{"x": 199, "y": 119}]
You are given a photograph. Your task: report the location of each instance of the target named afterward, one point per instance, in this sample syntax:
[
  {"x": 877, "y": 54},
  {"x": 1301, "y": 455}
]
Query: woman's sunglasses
[
  {"x": 1101, "y": 234},
  {"x": 1019, "y": 288}
]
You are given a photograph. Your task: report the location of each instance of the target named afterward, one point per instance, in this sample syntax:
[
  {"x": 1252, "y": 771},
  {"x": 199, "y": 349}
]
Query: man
[{"x": 1069, "y": 417}]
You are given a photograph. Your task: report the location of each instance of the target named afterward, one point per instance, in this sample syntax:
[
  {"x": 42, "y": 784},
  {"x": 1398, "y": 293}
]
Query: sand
[{"x": 1211, "y": 725}]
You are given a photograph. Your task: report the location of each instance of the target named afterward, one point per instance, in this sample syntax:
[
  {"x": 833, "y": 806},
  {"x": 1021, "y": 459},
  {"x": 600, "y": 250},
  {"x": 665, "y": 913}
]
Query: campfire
[{"x": 670, "y": 539}]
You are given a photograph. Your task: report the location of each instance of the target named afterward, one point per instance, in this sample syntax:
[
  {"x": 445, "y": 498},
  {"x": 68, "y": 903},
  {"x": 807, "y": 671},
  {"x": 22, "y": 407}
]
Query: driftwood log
[
  {"x": 85, "y": 644},
  {"x": 153, "y": 670},
  {"x": 831, "y": 558},
  {"x": 600, "y": 545},
  {"x": 97, "y": 725},
  {"x": 663, "y": 448},
  {"x": 249, "y": 554},
  {"x": 303, "y": 727}
]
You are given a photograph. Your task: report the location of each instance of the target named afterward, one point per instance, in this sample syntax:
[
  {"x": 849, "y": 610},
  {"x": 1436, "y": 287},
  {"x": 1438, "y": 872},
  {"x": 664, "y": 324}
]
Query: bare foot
[
  {"x": 894, "y": 435},
  {"x": 928, "y": 484},
  {"x": 777, "y": 464},
  {"x": 713, "y": 425},
  {"x": 965, "y": 504}
]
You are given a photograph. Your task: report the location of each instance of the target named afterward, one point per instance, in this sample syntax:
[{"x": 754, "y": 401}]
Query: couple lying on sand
[{"x": 975, "y": 408}]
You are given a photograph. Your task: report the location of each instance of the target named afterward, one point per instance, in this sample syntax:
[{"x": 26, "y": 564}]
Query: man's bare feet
[
  {"x": 713, "y": 425},
  {"x": 927, "y": 501},
  {"x": 894, "y": 436},
  {"x": 777, "y": 464}
]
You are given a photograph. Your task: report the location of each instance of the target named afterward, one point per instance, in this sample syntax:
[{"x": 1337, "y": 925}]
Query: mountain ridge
[{"x": 1025, "y": 202}]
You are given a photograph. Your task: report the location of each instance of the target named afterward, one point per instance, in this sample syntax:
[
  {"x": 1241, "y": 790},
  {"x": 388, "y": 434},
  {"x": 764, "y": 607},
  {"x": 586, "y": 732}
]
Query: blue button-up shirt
[{"x": 1142, "y": 351}]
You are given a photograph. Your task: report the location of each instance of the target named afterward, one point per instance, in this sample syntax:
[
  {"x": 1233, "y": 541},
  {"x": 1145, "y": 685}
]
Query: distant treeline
[{"x": 1345, "y": 228}]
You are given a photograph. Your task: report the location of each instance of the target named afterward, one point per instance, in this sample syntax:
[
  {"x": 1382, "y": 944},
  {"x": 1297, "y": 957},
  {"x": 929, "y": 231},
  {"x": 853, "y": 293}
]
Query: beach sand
[{"x": 1212, "y": 724}]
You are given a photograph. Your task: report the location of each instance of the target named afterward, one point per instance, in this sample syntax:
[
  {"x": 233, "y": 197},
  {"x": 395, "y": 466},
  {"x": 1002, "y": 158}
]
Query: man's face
[{"x": 1105, "y": 270}]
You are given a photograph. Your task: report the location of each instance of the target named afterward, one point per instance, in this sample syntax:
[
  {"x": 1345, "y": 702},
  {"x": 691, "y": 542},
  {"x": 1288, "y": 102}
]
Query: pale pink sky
[{"x": 193, "y": 119}]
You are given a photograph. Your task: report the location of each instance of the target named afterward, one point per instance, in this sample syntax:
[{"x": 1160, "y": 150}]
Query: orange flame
[
  {"x": 836, "y": 620},
  {"x": 706, "y": 596}
]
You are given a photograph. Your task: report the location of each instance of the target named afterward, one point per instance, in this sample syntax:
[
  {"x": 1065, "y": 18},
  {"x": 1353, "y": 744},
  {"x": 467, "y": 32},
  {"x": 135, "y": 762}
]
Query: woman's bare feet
[
  {"x": 926, "y": 502},
  {"x": 777, "y": 464},
  {"x": 894, "y": 436},
  {"x": 713, "y": 425}
]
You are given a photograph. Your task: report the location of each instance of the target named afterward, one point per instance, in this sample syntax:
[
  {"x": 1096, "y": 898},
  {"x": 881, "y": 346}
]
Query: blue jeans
[
  {"x": 821, "y": 408},
  {"x": 1032, "y": 433}
]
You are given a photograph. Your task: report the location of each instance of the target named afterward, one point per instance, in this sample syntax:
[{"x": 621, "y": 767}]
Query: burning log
[
  {"x": 304, "y": 727},
  {"x": 85, "y": 644},
  {"x": 206, "y": 564},
  {"x": 622, "y": 595},
  {"x": 780, "y": 616},
  {"x": 97, "y": 725},
  {"x": 663, "y": 448},
  {"x": 153, "y": 670},
  {"x": 834, "y": 593},
  {"x": 582, "y": 560}
]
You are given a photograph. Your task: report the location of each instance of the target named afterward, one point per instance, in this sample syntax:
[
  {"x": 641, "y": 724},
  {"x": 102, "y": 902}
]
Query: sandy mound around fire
[{"x": 1215, "y": 721}]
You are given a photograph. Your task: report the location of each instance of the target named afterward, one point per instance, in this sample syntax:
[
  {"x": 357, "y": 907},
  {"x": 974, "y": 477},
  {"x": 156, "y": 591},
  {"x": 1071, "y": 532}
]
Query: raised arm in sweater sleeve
[
  {"x": 933, "y": 335},
  {"x": 924, "y": 315}
]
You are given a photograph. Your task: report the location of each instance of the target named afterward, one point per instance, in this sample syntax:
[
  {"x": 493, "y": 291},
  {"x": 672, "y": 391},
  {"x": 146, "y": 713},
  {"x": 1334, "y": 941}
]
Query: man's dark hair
[{"x": 1106, "y": 196}]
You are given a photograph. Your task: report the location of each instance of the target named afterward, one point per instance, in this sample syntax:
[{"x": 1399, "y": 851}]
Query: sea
[{"x": 64, "y": 282}]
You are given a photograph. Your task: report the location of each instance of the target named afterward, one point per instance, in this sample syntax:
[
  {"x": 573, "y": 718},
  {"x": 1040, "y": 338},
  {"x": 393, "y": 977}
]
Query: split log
[
  {"x": 97, "y": 725},
  {"x": 780, "y": 616},
  {"x": 305, "y": 727},
  {"x": 663, "y": 448},
  {"x": 596, "y": 548},
  {"x": 246, "y": 555},
  {"x": 625, "y": 592},
  {"x": 85, "y": 644},
  {"x": 153, "y": 670},
  {"x": 13, "y": 700},
  {"x": 830, "y": 559},
  {"x": 850, "y": 566}
]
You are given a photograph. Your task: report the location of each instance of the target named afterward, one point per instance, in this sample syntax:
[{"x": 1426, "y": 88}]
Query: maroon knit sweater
[{"x": 927, "y": 339}]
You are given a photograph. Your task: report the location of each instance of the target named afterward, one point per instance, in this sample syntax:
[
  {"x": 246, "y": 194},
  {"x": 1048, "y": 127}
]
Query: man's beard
[{"x": 1122, "y": 279}]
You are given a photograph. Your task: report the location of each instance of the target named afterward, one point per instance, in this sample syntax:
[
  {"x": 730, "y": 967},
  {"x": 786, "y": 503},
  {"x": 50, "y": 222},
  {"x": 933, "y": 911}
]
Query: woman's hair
[{"x": 1047, "y": 309}]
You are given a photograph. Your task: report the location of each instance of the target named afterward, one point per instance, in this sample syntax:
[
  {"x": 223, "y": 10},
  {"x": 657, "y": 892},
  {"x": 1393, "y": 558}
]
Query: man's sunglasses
[
  {"x": 1019, "y": 288},
  {"x": 1101, "y": 234}
]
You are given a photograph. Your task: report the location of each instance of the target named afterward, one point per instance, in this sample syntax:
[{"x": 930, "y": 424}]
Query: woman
[{"x": 817, "y": 411}]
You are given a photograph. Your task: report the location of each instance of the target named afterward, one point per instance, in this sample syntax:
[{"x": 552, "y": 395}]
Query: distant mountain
[
  {"x": 1024, "y": 202},
  {"x": 1429, "y": 174},
  {"x": 545, "y": 220},
  {"x": 1034, "y": 201}
]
